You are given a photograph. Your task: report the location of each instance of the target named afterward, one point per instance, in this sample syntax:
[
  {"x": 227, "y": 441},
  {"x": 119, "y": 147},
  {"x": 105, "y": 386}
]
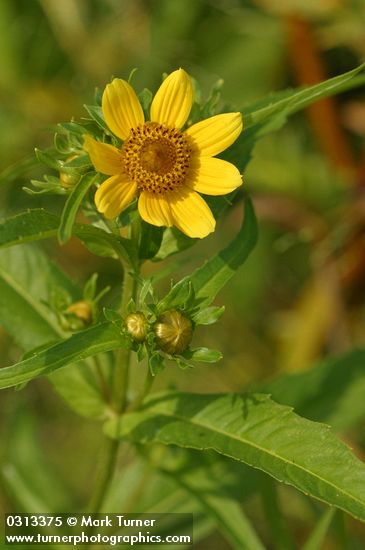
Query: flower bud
[
  {"x": 69, "y": 179},
  {"x": 82, "y": 310},
  {"x": 136, "y": 325},
  {"x": 173, "y": 332}
]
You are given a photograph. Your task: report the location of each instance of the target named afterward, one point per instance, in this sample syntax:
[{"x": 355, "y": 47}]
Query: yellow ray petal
[
  {"x": 121, "y": 108},
  {"x": 173, "y": 100},
  {"x": 155, "y": 209},
  {"x": 105, "y": 158},
  {"x": 191, "y": 213},
  {"x": 215, "y": 134},
  {"x": 114, "y": 194},
  {"x": 213, "y": 176}
]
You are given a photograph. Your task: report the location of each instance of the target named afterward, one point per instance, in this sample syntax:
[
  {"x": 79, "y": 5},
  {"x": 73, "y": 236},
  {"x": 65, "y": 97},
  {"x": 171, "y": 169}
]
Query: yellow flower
[{"x": 165, "y": 167}]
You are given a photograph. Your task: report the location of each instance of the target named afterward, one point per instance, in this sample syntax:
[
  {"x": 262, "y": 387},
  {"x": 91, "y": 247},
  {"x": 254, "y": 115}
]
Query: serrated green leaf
[
  {"x": 259, "y": 432},
  {"x": 209, "y": 279},
  {"x": 332, "y": 391},
  {"x": 83, "y": 344},
  {"x": 73, "y": 204},
  {"x": 31, "y": 225}
]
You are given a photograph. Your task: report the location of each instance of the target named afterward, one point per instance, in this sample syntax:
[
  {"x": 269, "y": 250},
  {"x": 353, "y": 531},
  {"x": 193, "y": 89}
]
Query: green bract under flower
[{"x": 163, "y": 329}]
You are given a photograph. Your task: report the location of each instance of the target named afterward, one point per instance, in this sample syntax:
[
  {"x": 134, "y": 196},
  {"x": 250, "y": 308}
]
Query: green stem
[
  {"x": 105, "y": 475},
  {"x": 280, "y": 535},
  {"x": 144, "y": 391},
  {"x": 104, "y": 386},
  {"x": 341, "y": 530},
  {"x": 119, "y": 402},
  {"x": 121, "y": 376},
  {"x": 123, "y": 359},
  {"x": 317, "y": 537}
]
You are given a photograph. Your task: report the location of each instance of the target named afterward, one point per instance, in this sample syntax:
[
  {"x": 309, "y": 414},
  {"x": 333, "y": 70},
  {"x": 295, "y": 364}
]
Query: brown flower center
[{"x": 156, "y": 157}]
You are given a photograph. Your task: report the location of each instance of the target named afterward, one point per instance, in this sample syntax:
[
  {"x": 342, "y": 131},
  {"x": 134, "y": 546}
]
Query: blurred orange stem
[{"x": 309, "y": 69}]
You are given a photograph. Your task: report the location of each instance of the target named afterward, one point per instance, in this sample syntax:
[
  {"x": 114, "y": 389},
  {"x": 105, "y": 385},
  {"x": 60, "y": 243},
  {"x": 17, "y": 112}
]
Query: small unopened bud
[
  {"x": 69, "y": 179},
  {"x": 136, "y": 324},
  {"x": 82, "y": 310},
  {"x": 173, "y": 332}
]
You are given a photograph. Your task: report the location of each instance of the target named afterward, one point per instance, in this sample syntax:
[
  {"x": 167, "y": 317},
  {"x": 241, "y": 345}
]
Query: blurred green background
[{"x": 301, "y": 296}]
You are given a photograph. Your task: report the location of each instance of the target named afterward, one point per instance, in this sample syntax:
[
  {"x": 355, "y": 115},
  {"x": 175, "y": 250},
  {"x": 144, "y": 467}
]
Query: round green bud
[
  {"x": 173, "y": 332},
  {"x": 136, "y": 325}
]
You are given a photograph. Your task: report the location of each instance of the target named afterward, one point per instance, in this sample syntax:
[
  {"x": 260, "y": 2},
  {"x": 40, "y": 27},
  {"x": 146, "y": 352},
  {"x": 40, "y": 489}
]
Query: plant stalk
[
  {"x": 108, "y": 461},
  {"x": 123, "y": 359},
  {"x": 144, "y": 391},
  {"x": 119, "y": 403},
  {"x": 281, "y": 536}
]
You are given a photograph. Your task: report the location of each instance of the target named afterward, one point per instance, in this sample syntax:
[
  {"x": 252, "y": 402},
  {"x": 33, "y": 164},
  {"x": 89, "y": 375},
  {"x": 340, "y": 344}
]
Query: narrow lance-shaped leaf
[
  {"x": 37, "y": 224},
  {"x": 331, "y": 391},
  {"x": 221, "y": 507},
  {"x": 97, "y": 339},
  {"x": 255, "y": 430},
  {"x": 72, "y": 205},
  {"x": 298, "y": 99},
  {"x": 316, "y": 538},
  {"x": 271, "y": 113},
  {"x": 209, "y": 279}
]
